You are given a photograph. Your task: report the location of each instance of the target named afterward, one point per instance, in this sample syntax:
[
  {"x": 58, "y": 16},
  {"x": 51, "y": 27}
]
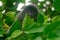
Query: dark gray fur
[{"x": 30, "y": 10}]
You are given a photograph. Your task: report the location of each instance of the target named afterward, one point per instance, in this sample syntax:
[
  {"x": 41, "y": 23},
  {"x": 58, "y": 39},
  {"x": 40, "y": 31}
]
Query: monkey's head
[{"x": 30, "y": 10}]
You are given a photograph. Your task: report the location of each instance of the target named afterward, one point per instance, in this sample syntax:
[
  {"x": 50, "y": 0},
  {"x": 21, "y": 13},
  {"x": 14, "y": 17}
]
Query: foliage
[{"x": 47, "y": 26}]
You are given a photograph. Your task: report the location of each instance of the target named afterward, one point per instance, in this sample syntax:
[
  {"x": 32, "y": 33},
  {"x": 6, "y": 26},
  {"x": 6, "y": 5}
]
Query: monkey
[{"x": 30, "y": 10}]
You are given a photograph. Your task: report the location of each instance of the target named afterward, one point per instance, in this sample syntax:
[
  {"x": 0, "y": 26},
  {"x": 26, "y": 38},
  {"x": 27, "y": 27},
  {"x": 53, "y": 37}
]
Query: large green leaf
[
  {"x": 35, "y": 28},
  {"x": 51, "y": 28},
  {"x": 30, "y": 26},
  {"x": 52, "y": 35},
  {"x": 27, "y": 22},
  {"x": 33, "y": 36},
  {"x": 16, "y": 34}
]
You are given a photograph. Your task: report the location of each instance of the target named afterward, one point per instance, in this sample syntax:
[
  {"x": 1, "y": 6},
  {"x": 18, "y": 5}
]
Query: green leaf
[
  {"x": 51, "y": 28},
  {"x": 1, "y": 16},
  {"x": 40, "y": 18},
  {"x": 15, "y": 26},
  {"x": 11, "y": 14},
  {"x": 38, "y": 38},
  {"x": 52, "y": 35},
  {"x": 45, "y": 19},
  {"x": 1, "y": 31},
  {"x": 57, "y": 31},
  {"x": 56, "y": 18},
  {"x": 1, "y": 25},
  {"x": 56, "y": 5},
  {"x": 33, "y": 36},
  {"x": 35, "y": 28},
  {"x": 27, "y": 22},
  {"x": 10, "y": 17},
  {"x": 16, "y": 34},
  {"x": 58, "y": 38}
]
